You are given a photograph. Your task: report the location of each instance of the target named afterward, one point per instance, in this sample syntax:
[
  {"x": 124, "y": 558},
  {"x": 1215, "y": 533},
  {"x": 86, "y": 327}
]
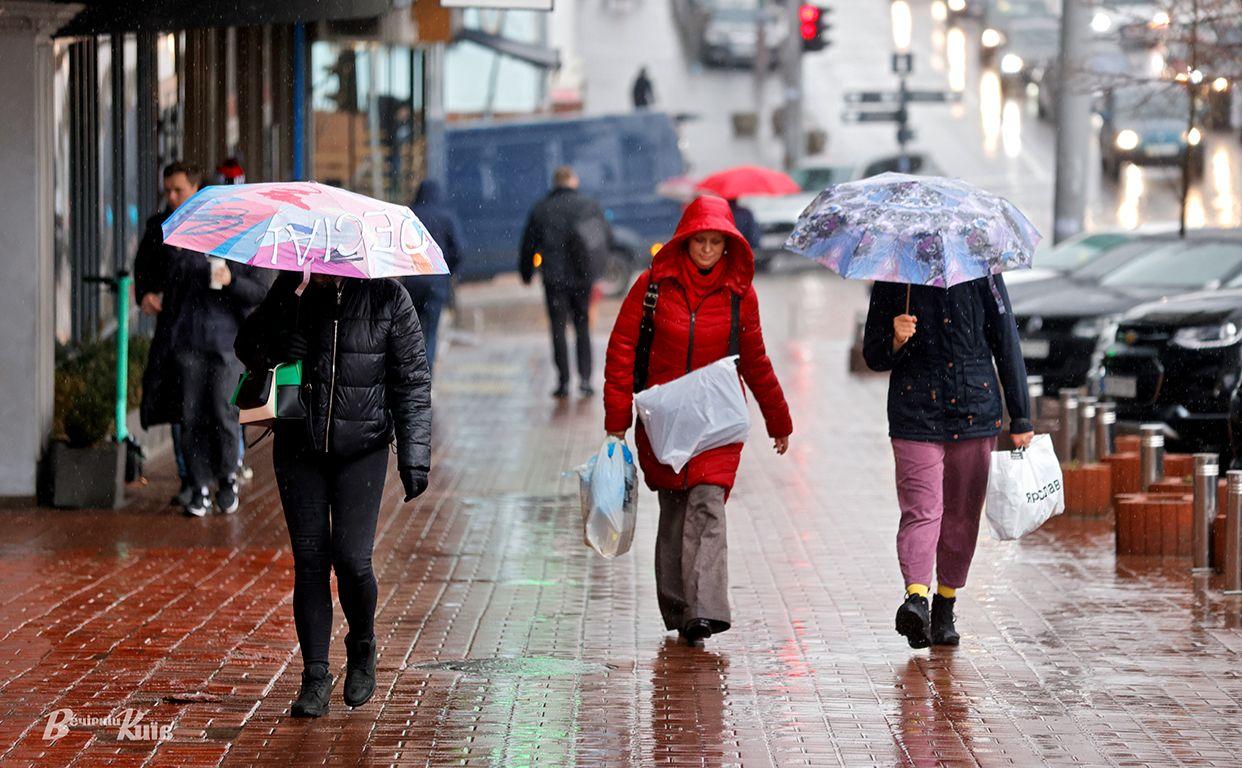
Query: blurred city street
[{"x": 503, "y": 641}]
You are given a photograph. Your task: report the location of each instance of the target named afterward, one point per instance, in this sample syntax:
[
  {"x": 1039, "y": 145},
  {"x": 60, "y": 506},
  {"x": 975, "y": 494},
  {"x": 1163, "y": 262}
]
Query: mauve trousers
[{"x": 940, "y": 489}]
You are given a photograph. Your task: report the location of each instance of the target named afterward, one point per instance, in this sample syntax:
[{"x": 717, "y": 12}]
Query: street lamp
[{"x": 903, "y": 25}]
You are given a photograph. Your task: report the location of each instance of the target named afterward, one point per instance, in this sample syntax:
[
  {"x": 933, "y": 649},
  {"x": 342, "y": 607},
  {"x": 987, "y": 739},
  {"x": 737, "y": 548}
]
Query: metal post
[
  {"x": 1068, "y": 425},
  {"x": 1233, "y": 535},
  {"x": 1105, "y": 429},
  {"x": 124, "y": 284},
  {"x": 1035, "y": 391},
  {"x": 1207, "y": 470},
  {"x": 1151, "y": 454},
  {"x": 1086, "y": 431},
  {"x": 1073, "y": 115},
  {"x": 299, "y": 101},
  {"x": 791, "y": 75}
]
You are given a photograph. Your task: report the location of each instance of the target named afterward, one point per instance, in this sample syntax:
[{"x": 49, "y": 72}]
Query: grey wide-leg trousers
[{"x": 692, "y": 571}]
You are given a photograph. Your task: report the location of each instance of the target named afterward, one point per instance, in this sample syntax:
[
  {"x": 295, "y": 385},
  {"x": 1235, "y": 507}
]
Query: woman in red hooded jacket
[{"x": 699, "y": 273}]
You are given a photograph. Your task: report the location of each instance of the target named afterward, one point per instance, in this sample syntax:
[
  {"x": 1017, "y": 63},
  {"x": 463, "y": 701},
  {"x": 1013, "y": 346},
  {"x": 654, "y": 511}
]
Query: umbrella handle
[
  {"x": 907, "y": 298},
  {"x": 306, "y": 276}
]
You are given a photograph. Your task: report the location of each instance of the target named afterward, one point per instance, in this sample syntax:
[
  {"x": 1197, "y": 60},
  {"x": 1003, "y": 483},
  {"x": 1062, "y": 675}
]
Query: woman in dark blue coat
[{"x": 944, "y": 348}]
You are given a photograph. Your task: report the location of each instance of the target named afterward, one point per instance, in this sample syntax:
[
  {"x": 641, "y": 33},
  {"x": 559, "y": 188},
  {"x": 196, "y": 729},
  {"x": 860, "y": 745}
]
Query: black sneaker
[
  {"x": 359, "y": 671},
  {"x": 914, "y": 622},
  {"x": 227, "y": 500},
  {"x": 200, "y": 503},
  {"x": 696, "y": 631},
  {"x": 315, "y": 692},
  {"x": 586, "y": 390},
  {"x": 561, "y": 392},
  {"x": 943, "y": 632},
  {"x": 184, "y": 496},
  {"x": 244, "y": 474}
]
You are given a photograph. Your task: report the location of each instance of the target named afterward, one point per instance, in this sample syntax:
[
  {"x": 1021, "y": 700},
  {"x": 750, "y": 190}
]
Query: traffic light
[{"x": 813, "y": 25}]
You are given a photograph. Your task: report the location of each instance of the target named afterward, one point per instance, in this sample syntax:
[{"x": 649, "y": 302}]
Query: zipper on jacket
[
  {"x": 690, "y": 343},
  {"x": 336, "y": 322}
]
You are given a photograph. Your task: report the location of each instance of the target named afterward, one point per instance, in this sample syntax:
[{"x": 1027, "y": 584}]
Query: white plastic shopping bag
[
  {"x": 1024, "y": 489},
  {"x": 694, "y": 413},
  {"x": 608, "y": 492}
]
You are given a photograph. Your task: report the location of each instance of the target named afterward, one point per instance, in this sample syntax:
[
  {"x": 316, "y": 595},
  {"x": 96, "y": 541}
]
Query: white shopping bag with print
[
  {"x": 1024, "y": 489},
  {"x": 694, "y": 413},
  {"x": 608, "y": 491}
]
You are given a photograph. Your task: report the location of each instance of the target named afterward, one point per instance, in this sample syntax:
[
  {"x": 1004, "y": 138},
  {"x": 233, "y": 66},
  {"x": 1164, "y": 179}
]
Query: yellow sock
[
  {"x": 946, "y": 592},
  {"x": 917, "y": 589}
]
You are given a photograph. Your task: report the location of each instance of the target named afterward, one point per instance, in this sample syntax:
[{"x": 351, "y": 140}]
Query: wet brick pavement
[{"x": 504, "y": 642}]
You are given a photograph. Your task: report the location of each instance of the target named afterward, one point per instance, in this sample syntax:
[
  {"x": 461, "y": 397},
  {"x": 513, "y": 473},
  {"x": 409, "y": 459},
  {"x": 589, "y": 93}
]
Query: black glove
[
  {"x": 414, "y": 481},
  {"x": 295, "y": 346}
]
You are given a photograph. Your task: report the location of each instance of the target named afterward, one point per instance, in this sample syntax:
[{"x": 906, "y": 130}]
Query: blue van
[{"x": 497, "y": 172}]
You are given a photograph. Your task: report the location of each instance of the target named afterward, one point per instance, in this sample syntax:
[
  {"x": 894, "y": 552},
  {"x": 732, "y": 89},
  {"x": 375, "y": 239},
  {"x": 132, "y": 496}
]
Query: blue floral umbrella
[{"x": 918, "y": 230}]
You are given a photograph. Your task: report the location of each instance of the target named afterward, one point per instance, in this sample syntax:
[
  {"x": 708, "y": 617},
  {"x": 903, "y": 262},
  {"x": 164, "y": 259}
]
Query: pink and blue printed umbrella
[
  {"x": 305, "y": 227},
  {"x": 919, "y": 230}
]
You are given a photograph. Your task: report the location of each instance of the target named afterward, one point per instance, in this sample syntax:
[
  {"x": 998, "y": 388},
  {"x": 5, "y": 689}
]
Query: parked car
[
  {"x": 1178, "y": 362},
  {"x": 777, "y": 215},
  {"x": 1063, "y": 259},
  {"x": 1134, "y": 22},
  {"x": 1061, "y": 328},
  {"x": 731, "y": 33},
  {"x": 999, "y": 16},
  {"x": 1146, "y": 125},
  {"x": 1031, "y": 45},
  {"x": 500, "y": 170}
]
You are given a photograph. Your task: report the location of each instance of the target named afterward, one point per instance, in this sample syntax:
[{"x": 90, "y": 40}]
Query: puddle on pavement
[{"x": 521, "y": 666}]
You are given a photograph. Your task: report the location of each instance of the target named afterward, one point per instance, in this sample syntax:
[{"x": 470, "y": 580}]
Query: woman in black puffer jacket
[{"x": 365, "y": 378}]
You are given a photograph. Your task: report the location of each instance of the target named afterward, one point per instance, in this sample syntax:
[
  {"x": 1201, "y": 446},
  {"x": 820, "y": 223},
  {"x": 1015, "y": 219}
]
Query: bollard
[
  {"x": 1035, "y": 391},
  {"x": 1105, "y": 429},
  {"x": 1151, "y": 454},
  {"x": 1207, "y": 470},
  {"x": 1086, "y": 431},
  {"x": 1067, "y": 425},
  {"x": 1233, "y": 535}
]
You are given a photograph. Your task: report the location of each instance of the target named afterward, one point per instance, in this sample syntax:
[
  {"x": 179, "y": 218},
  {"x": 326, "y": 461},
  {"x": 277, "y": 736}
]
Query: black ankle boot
[
  {"x": 913, "y": 621},
  {"x": 359, "y": 671},
  {"x": 696, "y": 631},
  {"x": 316, "y": 689},
  {"x": 942, "y": 630}
]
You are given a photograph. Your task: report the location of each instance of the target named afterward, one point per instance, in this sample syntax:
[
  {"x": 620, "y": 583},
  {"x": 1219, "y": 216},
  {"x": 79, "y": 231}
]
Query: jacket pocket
[{"x": 983, "y": 402}]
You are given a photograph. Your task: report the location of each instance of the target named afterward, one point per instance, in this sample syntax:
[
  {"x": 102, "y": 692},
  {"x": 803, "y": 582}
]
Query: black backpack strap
[
  {"x": 646, "y": 332},
  {"x": 735, "y": 326}
]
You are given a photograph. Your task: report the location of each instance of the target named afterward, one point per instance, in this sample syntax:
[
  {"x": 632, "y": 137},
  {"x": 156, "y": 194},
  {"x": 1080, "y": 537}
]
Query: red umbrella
[{"x": 746, "y": 180}]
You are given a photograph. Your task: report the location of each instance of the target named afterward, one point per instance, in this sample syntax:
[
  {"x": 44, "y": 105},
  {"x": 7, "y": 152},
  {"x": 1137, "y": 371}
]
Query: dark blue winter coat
[
  {"x": 445, "y": 229},
  {"x": 943, "y": 385}
]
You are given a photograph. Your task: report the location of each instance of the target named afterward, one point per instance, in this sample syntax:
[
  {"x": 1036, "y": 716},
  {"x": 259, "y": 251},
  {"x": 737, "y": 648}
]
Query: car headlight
[
  {"x": 1160, "y": 20},
  {"x": 1101, "y": 22},
  {"x": 1012, "y": 64},
  {"x": 1208, "y": 336},
  {"x": 991, "y": 38},
  {"x": 1220, "y": 84},
  {"x": 1194, "y": 136},
  {"x": 1127, "y": 140},
  {"x": 957, "y": 6}
]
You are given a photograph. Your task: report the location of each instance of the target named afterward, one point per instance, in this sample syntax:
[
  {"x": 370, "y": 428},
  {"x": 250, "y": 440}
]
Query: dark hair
[{"x": 192, "y": 172}]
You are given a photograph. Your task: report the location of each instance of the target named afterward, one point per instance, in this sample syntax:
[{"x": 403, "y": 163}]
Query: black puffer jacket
[
  {"x": 944, "y": 385},
  {"x": 365, "y": 372}
]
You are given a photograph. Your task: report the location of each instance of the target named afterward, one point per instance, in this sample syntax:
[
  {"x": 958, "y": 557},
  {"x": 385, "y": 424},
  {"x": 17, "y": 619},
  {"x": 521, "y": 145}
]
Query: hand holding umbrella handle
[{"x": 904, "y": 327}]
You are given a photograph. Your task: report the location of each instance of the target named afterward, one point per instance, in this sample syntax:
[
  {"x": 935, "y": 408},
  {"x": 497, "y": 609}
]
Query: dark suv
[{"x": 1177, "y": 362}]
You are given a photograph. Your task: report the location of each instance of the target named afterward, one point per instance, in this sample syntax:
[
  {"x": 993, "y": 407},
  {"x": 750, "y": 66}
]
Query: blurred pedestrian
[
  {"x": 365, "y": 380},
  {"x": 944, "y": 348},
  {"x": 431, "y": 292},
  {"x": 565, "y": 237},
  {"x": 704, "y": 305},
  {"x": 230, "y": 172},
  {"x": 746, "y": 224},
  {"x": 643, "y": 90},
  {"x": 200, "y": 303},
  {"x": 161, "y": 389}
]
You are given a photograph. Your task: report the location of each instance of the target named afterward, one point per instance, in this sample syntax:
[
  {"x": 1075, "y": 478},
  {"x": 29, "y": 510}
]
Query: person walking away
[
  {"x": 161, "y": 390},
  {"x": 643, "y": 90},
  {"x": 365, "y": 380},
  {"x": 701, "y": 285},
  {"x": 569, "y": 233},
  {"x": 431, "y": 292},
  {"x": 944, "y": 348},
  {"x": 229, "y": 173},
  {"x": 206, "y": 299},
  {"x": 746, "y": 224}
]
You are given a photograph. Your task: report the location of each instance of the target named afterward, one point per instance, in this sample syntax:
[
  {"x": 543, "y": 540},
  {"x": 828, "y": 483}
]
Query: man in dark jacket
[
  {"x": 568, "y": 233},
  {"x": 161, "y": 390},
  {"x": 202, "y": 304},
  {"x": 643, "y": 90},
  {"x": 744, "y": 218},
  {"x": 431, "y": 292}
]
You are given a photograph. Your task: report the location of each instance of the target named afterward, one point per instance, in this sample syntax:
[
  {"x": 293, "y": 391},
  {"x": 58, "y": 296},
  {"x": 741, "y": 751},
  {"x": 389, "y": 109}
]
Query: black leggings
[{"x": 331, "y": 506}]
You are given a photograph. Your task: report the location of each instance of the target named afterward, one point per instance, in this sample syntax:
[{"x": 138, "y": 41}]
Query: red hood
[{"x": 705, "y": 214}]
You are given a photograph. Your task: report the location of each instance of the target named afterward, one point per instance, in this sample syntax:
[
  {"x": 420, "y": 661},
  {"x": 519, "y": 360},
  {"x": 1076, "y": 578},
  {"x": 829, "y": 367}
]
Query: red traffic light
[
  {"x": 809, "y": 31},
  {"x": 808, "y": 14}
]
